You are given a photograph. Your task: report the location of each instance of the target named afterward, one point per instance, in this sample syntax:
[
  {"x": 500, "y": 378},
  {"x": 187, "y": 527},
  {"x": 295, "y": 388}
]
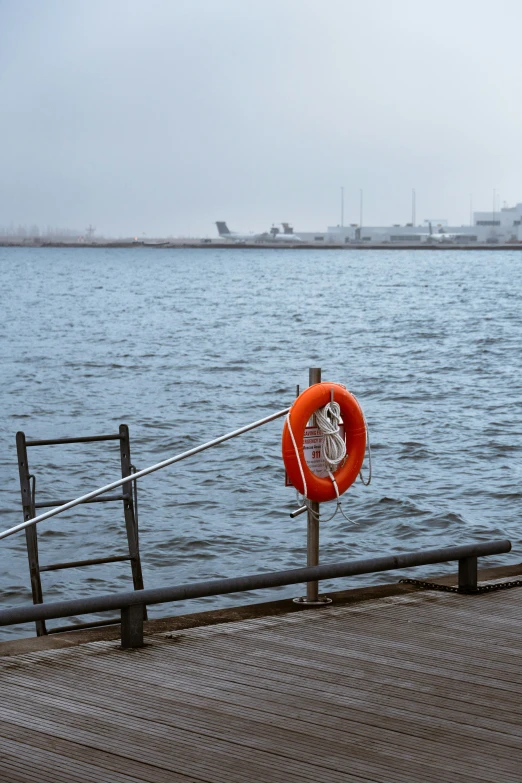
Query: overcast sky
[{"x": 159, "y": 117}]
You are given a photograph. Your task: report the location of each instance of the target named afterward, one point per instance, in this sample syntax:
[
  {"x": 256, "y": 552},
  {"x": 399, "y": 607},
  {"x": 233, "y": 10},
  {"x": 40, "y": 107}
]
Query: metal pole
[
  {"x": 468, "y": 574},
  {"x": 312, "y": 532},
  {"x": 312, "y": 552},
  {"x": 143, "y": 472},
  {"x": 342, "y": 207}
]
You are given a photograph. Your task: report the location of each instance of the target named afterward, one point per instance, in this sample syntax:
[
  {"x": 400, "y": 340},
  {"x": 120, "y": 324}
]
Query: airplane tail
[{"x": 222, "y": 228}]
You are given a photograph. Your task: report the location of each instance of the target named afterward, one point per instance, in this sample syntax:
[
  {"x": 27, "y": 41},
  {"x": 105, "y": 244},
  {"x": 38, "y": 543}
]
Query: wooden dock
[{"x": 422, "y": 686}]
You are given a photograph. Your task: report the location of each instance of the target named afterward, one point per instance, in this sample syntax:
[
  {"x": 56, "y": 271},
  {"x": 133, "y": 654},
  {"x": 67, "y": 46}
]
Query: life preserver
[{"x": 314, "y": 397}]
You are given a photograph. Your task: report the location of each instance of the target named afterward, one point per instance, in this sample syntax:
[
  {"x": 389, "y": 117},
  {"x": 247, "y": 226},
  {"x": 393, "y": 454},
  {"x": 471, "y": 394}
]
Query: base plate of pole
[{"x": 322, "y": 600}]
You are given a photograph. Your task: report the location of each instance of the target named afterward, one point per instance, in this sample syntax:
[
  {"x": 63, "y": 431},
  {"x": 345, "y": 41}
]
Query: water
[{"x": 184, "y": 345}]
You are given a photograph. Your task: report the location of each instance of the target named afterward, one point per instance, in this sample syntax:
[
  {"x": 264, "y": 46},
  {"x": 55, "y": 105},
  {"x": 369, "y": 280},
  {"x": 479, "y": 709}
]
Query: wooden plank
[
  {"x": 313, "y": 680},
  {"x": 190, "y": 720},
  {"x": 260, "y": 677},
  {"x": 423, "y": 664},
  {"x": 369, "y": 692},
  {"x": 244, "y": 747},
  {"x": 427, "y": 706},
  {"x": 112, "y": 762},
  {"x": 299, "y": 663},
  {"x": 432, "y": 731},
  {"x": 364, "y": 673},
  {"x": 322, "y": 659},
  {"x": 37, "y": 763},
  {"x": 178, "y": 750},
  {"x": 451, "y": 664}
]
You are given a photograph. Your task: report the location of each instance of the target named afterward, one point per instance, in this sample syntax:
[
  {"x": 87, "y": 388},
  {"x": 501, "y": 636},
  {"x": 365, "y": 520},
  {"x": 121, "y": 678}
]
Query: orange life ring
[{"x": 314, "y": 397}]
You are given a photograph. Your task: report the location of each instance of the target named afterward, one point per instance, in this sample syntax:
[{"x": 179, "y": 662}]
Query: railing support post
[
  {"x": 312, "y": 559},
  {"x": 312, "y": 531},
  {"x": 468, "y": 575},
  {"x": 132, "y": 626}
]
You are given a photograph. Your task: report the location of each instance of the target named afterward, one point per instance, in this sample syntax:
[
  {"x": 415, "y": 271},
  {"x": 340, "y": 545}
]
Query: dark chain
[{"x": 449, "y": 589}]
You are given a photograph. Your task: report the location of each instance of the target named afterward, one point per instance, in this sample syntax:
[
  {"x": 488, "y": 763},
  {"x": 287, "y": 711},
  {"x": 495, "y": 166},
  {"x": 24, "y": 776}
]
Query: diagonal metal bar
[{"x": 84, "y": 498}]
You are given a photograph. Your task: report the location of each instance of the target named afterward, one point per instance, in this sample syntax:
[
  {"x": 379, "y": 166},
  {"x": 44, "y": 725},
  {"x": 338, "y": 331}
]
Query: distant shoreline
[{"x": 201, "y": 245}]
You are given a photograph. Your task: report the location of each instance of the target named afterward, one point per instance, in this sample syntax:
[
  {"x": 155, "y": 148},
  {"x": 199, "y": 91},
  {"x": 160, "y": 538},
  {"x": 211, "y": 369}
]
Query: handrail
[
  {"x": 140, "y": 473},
  {"x": 466, "y": 554},
  {"x": 85, "y": 439}
]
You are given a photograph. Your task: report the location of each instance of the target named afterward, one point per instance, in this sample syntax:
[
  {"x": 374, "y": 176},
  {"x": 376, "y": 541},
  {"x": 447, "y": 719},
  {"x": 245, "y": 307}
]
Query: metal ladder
[{"x": 29, "y": 505}]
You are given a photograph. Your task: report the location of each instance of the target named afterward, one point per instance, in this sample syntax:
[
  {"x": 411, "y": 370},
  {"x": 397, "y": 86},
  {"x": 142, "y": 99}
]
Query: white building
[
  {"x": 488, "y": 227},
  {"x": 342, "y": 235},
  {"x": 502, "y": 226}
]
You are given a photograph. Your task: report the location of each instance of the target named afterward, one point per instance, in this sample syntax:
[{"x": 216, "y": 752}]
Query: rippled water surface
[{"x": 184, "y": 345}]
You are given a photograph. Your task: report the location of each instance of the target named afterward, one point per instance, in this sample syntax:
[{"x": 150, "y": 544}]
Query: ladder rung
[
  {"x": 86, "y": 439},
  {"x": 100, "y": 499},
  {"x": 81, "y": 626},
  {"x": 81, "y": 563}
]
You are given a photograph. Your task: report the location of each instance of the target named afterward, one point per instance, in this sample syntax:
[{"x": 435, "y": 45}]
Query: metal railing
[
  {"x": 96, "y": 496},
  {"x": 313, "y": 508},
  {"x": 131, "y": 604}
]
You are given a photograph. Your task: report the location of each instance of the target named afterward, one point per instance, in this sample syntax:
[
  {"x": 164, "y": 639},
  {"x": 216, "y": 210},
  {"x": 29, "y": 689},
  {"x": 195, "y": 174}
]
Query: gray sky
[{"x": 162, "y": 116}]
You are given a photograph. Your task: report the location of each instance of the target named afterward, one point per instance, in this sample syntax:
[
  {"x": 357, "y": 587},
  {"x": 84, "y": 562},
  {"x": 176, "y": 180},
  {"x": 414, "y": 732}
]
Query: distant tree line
[{"x": 34, "y": 232}]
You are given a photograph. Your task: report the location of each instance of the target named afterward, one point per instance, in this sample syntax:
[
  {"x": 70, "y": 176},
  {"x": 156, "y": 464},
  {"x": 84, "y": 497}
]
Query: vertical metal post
[
  {"x": 30, "y": 532},
  {"x": 312, "y": 597},
  {"x": 468, "y": 575},
  {"x": 132, "y": 626},
  {"x": 312, "y": 547},
  {"x": 128, "y": 509}
]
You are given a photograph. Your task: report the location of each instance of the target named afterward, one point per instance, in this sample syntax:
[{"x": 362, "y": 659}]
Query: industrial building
[{"x": 496, "y": 227}]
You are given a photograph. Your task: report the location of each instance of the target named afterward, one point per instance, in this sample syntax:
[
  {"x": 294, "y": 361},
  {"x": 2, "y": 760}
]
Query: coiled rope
[{"x": 334, "y": 447}]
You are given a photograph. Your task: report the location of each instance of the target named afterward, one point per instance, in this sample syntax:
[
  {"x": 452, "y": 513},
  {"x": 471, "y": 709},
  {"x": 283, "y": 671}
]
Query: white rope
[
  {"x": 334, "y": 453},
  {"x": 334, "y": 447},
  {"x": 369, "y": 450},
  {"x": 338, "y": 505},
  {"x": 297, "y": 454}
]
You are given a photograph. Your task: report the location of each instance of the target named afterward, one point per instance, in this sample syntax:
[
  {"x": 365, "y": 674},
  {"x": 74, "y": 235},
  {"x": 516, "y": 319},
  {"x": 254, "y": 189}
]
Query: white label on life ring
[{"x": 313, "y": 451}]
